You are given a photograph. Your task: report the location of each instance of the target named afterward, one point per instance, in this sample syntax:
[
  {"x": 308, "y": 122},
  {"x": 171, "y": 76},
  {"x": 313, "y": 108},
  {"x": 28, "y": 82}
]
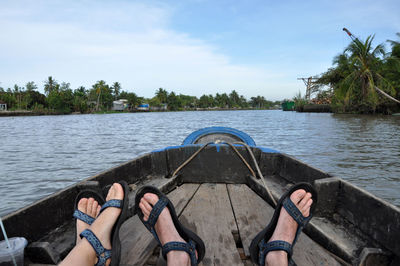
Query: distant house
[
  {"x": 120, "y": 105},
  {"x": 143, "y": 107},
  {"x": 3, "y": 106}
]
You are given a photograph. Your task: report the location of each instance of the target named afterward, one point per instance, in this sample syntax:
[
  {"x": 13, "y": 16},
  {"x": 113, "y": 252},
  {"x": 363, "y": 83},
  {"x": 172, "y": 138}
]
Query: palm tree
[
  {"x": 162, "y": 95},
  {"x": 395, "y": 43},
  {"x": 357, "y": 75},
  {"x": 365, "y": 61},
  {"x": 49, "y": 85},
  {"x": 116, "y": 88},
  {"x": 17, "y": 93},
  {"x": 31, "y": 86},
  {"x": 99, "y": 87},
  {"x": 368, "y": 67},
  {"x": 234, "y": 98},
  {"x": 258, "y": 102},
  {"x": 392, "y": 66}
]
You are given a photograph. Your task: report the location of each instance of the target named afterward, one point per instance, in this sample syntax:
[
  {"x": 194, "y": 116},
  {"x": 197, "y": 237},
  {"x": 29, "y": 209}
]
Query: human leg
[
  {"x": 165, "y": 229},
  {"x": 293, "y": 211},
  {"x": 286, "y": 227},
  {"x": 90, "y": 207},
  {"x": 102, "y": 228},
  {"x": 180, "y": 246}
]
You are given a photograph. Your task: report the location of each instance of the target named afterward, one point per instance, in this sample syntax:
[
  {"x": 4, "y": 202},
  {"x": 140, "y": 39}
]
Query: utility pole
[{"x": 310, "y": 86}]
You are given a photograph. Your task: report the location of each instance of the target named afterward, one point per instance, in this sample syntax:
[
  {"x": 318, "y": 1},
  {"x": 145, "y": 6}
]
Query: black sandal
[
  {"x": 102, "y": 253},
  {"x": 260, "y": 246},
  {"x": 78, "y": 215},
  {"x": 194, "y": 242}
]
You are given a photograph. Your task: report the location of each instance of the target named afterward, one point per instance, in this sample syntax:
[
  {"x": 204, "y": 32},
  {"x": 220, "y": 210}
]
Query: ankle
[
  {"x": 88, "y": 251},
  {"x": 178, "y": 257},
  {"x": 278, "y": 257}
]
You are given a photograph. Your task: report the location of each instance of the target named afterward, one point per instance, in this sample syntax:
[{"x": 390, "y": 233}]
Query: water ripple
[{"x": 40, "y": 155}]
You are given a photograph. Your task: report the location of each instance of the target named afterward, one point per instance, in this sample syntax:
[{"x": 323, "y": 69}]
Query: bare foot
[
  {"x": 90, "y": 207},
  {"x": 165, "y": 229},
  {"x": 83, "y": 253},
  {"x": 104, "y": 223},
  {"x": 286, "y": 227}
]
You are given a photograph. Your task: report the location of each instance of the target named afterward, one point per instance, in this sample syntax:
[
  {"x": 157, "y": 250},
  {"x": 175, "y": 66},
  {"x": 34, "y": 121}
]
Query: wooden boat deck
[
  {"x": 226, "y": 217},
  {"x": 226, "y": 210}
]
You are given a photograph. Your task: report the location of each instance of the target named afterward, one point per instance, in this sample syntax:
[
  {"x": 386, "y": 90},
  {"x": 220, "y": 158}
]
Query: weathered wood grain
[
  {"x": 136, "y": 241},
  {"x": 253, "y": 214},
  {"x": 209, "y": 214}
]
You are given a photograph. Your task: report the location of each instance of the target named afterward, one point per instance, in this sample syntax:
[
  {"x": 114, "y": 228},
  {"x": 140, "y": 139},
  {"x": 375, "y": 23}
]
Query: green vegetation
[
  {"x": 299, "y": 102},
  {"x": 356, "y": 74},
  {"x": 60, "y": 98}
]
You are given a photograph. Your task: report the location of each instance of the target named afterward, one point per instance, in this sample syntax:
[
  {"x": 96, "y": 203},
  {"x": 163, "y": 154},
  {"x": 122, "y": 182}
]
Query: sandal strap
[
  {"x": 156, "y": 210},
  {"x": 273, "y": 246},
  {"x": 153, "y": 217},
  {"x": 83, "y": 217},
  {"x": 112, "y": 203},
  {"x": 101, "y": 253},
  {"x": 296, "y": 214},
  {"x": 189, "y": 248}
]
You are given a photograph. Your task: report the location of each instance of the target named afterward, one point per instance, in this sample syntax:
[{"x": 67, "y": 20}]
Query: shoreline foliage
[
  {"x": 358, "y": 71},
  {"x": 60, "y": 98}
]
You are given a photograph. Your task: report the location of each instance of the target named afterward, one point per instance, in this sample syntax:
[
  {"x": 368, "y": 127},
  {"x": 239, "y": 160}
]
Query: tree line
[
  {"x": 361, "y": 75},
  {"x": 61, "y": 98}
]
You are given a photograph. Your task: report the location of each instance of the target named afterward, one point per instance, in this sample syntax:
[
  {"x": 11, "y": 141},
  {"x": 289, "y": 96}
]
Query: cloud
[
  {"x": 132, "y": 44},
  {"x": 218, "y": 47}
]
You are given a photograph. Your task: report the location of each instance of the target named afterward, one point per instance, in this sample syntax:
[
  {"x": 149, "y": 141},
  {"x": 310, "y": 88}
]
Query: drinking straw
[{"x": 8, "y": 243}]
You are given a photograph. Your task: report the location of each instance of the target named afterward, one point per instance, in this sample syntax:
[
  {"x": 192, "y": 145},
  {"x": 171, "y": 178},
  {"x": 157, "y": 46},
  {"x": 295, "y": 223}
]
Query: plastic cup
[{"x": 16, "y": 250}]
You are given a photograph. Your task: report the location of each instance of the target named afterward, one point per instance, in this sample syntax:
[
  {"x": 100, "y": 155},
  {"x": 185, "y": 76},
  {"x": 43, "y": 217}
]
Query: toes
[
  {"x": 82, "y": 204},
  {"x": 297, "y": 196},
  {"x": 94, "y": 209},
  {"x": 304, "y": 200},
  {"x": 146, "y": 213},
  {"x": 110, "y": 193},
  {"x": 306, "y": 209},
  {"x": 146, "y": 205},
  {"x": 116, "y": 192},
  {"x": 89, "y": 205},
  {"x": 305, "y": 204},
  {"x": 151, "y": 198}
]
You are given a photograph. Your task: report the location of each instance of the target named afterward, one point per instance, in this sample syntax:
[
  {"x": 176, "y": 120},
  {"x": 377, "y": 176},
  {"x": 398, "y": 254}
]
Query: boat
[
  {"x": 288, "y": 105},
  {"x": 223, "y": 187}
]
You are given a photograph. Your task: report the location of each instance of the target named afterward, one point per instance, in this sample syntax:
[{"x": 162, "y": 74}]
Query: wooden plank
[
  {"x": 209, "y": 214},
  {"x": 253, "y": 214},
  {"x": 136, "y": 241}
]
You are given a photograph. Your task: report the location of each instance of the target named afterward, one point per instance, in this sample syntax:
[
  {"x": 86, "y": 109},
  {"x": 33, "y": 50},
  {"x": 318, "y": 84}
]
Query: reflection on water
[{"x": 40, "y": 155}]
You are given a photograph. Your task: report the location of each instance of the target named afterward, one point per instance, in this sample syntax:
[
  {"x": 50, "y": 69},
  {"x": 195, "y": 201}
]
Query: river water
[{"x": 42, "y": 154}]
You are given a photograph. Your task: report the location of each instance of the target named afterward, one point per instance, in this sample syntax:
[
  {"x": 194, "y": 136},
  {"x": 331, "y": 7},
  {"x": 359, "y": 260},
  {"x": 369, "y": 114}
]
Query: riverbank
[
  {"x": 28, "y": 113},
  {"x": 315, "y": 108},
  {"x": 327, "y": 108},
  {"x": 40, "y": 113}
]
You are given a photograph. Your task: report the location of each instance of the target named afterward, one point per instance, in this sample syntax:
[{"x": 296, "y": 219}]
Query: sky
[{"x": 192, "y": 47}]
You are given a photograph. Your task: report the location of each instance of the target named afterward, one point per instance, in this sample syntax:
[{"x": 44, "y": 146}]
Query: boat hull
[{"x": 350, "y": 223}]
